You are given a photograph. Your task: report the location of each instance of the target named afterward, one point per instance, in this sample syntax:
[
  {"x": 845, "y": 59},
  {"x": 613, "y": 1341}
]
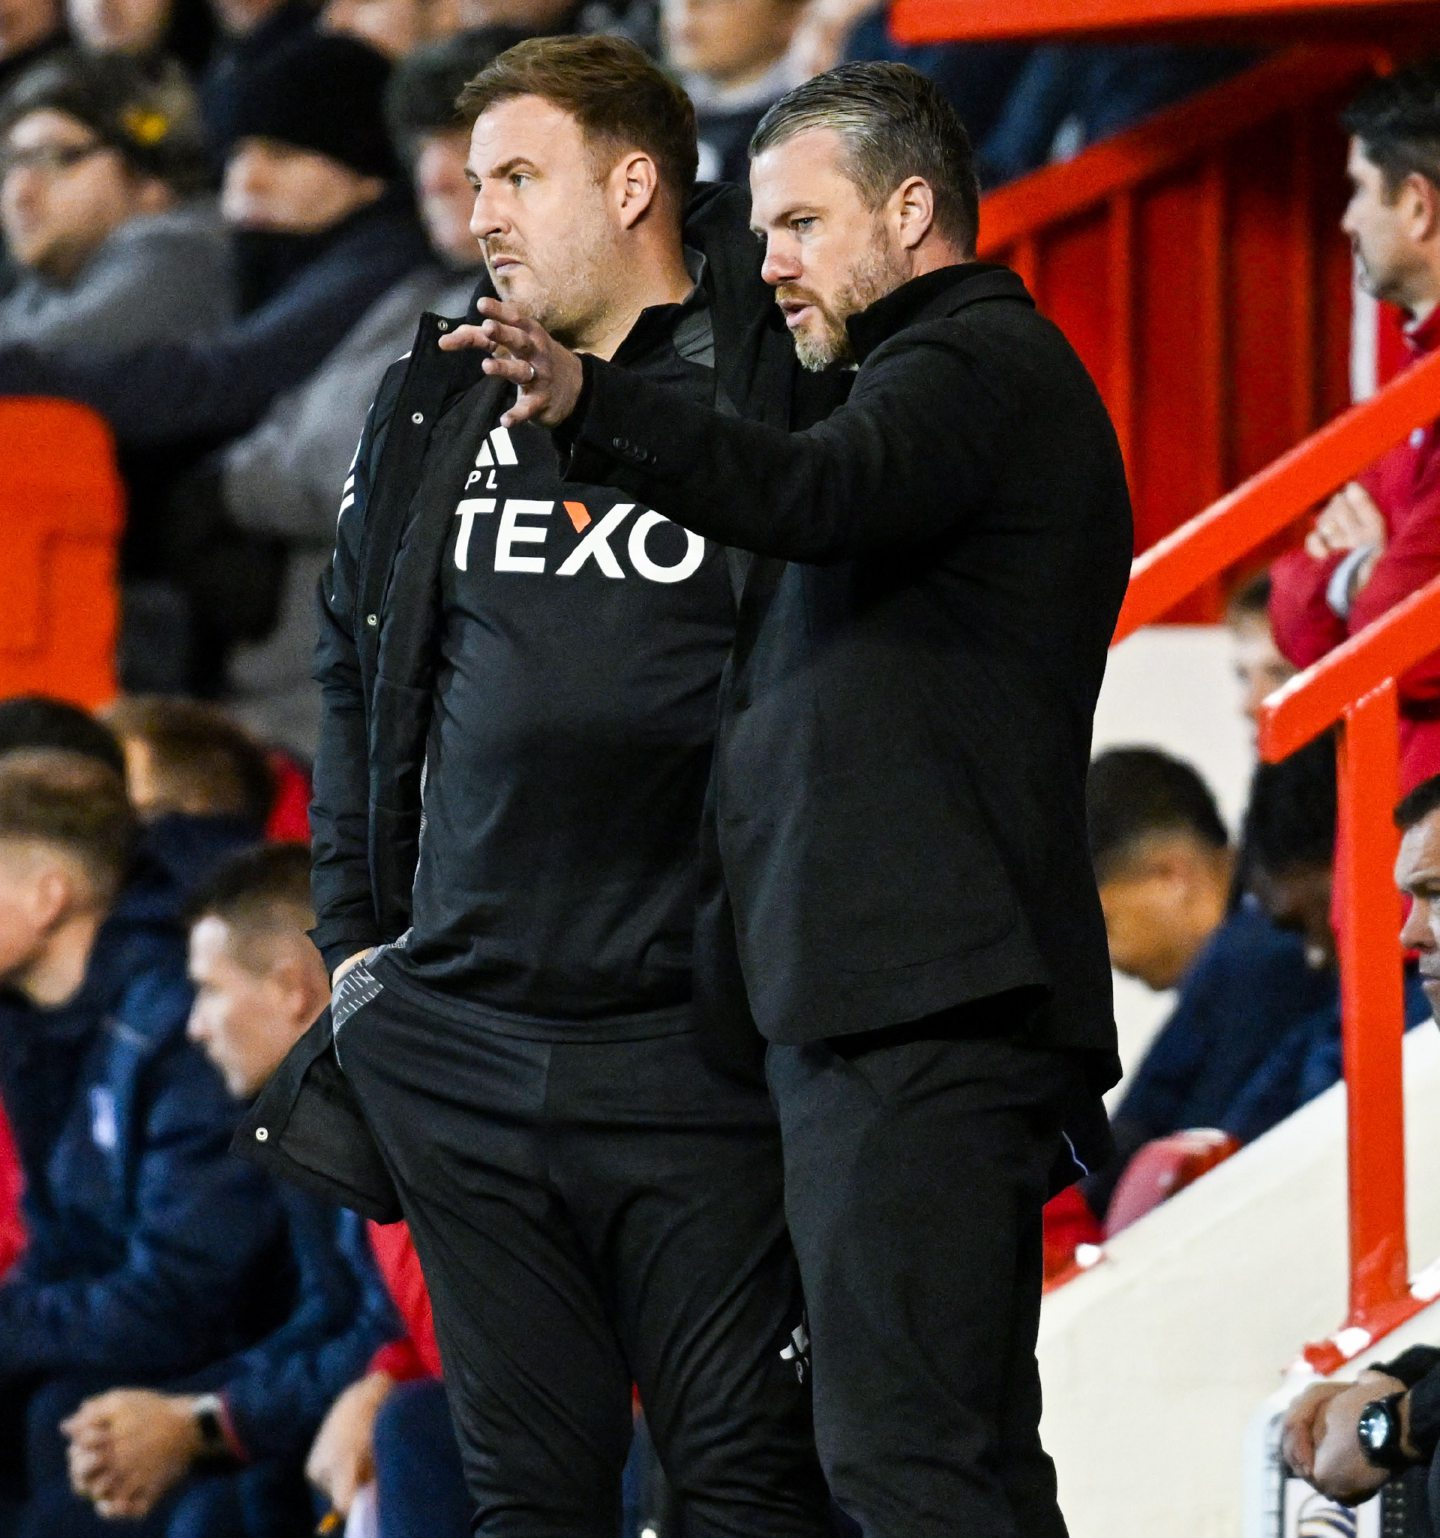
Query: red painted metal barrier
[
  {"x": 1353, "y": 689},
  {"x": 1197, "y": 266},
  {"x": 940, "y": 21}
]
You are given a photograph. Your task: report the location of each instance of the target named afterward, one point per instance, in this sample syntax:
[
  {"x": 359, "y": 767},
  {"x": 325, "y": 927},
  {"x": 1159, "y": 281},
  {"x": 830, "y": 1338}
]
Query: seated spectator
[
  {"x": 395, "y": 27},
  {"x": 1290, "y": 846},
  {"x": 35, "y": 721},
  {"x": 168, "y": 41},
  {"x": 271, "y": 497},
  {"x": 1351, "y": 1439},
  {"x": 29, "y": 29},
  {"x": 198, "y": 780},
  {"x": 250, "y": 31},
  {"x": 1378, "y": 540},
  {"x": 100, "y": 183},
  {"x": 975, "y": 77},
  {"x": 148, "y": 1456},
  {"x": 635, "y": 19},
  {"x": 150, "y": 1246},
  {"x": 732, "y": 57},
  {"x": 312, "y": 174},
  {"x": 1260, "y": 666},
  {"x": 1066, "y": 97},
  {"x": 1165, "y": 865}
]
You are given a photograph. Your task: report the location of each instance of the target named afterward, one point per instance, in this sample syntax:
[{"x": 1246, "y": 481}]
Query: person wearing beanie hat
[
  {"x": 322, "y": 94},
  {"x": 99, "y": 180}
]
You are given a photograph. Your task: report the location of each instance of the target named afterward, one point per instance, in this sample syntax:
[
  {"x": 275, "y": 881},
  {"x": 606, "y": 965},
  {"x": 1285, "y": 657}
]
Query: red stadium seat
[
  {"x": 1162, "y": 1168},
  {"x": 62, "y": 506}
]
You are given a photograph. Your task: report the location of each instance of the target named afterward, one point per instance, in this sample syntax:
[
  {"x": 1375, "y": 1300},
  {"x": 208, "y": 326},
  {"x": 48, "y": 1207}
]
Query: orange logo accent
[{"x": 578, "y": 516}]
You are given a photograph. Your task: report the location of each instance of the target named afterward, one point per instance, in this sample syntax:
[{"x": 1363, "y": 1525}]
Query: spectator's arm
[
  {"x": 1305, "y": 625},
  {"x": 207, "y": 389},
  {"x": 345, "y": 921},
  {"x": 1409, "y": 561},
  {"x": 201, "y": 1220},
  {"x": 181, "y": 289},
  {"x": 1273, "y": 1091},
  {"x": 285, "y": 1385}
]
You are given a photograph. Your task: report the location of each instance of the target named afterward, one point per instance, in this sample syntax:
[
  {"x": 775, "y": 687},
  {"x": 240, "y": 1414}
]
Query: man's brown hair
[
  {"x": 618, "y": 96},
  {"x": 72, "y": 803},
  {"x": 203, "y": 762},
  {"x": 263, "y": 894}
]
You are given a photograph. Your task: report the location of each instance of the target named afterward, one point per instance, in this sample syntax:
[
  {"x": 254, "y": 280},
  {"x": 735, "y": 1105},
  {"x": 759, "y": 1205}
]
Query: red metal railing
[
  {"x": 940, "y": 21},
  {"x": 1352, "y": 688},
  {"x": 1196, "y": 265}
]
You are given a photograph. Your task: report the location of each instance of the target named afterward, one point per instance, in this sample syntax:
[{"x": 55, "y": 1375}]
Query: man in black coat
[
  {"x": 595, "y": 1203},
  {"x": 899, "y": 776}
]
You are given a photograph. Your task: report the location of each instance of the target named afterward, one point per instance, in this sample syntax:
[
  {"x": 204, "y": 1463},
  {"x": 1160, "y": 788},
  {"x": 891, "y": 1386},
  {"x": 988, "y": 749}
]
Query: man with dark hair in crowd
[
  {"x": 1351, "y": 1439},
  {"x": 899, "y": 784},
  {"x": 271, "y": 495},
  {"x": 139, "y": 1454},
  {"x": 148, "y": 1244},
  {"x": 1166, "y": 868},
  {"x": 1289, "y": 838},
  {"x": 99, "y": 178},
  {"x": 733, "y": 58},
  {"x": 1260, "y": 666},
  {"x": 1378, "y": 539},
  {"x": 596, "y": 1202}
]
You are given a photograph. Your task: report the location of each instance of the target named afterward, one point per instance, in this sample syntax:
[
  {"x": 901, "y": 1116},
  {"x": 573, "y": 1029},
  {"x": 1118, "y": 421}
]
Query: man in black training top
[
  {"x": 900, "y": 775},
  {"x": 593, "y": 1201}
]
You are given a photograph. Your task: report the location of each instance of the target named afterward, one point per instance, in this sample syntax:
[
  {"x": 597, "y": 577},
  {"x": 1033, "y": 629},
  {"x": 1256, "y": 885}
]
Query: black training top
[{"x": 582, "y": 641}]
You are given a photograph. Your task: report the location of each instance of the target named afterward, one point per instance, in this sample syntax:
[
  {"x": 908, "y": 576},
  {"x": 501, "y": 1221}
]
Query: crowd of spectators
[{"x": 222, "y": 220}]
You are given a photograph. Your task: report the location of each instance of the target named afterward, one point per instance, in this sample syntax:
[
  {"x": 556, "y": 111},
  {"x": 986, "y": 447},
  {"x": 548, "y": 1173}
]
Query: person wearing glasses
[{"x": 100, "y": 183}]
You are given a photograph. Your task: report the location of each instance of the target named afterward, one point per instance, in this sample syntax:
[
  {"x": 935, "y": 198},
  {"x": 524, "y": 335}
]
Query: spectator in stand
[
  {"x": 260, "y": 983},
  {"x": 1165, "y": 867},
  {"x": 1378, "y": 539},
  {"x": 152, "y": 1252},
  {"x": 1260, "y": 666},
  {"x": 271, "y": 497},
  {"x": 312, "y": 172},
  {"x": 634, "y": 19},
  {"x": 36, "y": 721},
  {"x": 200, "y": 783},
  {"x": 1066, "y": 97},
  {"x": 168, "y": 41},
  {"x": 141, "y": 1454},
  {"x": 1289, "y": 841},
  {"x": 975, "y": 77},
  {"x": 250, "y": 32},
  {"x": 29, "y": 29},
  {"x": 732, "y": 57},
  {"x": 100, "y": 182},
  {"x": 324, "y": 227},
  {"x": 395, "y": 27},
  {"x": 1351, "y": 1439}
]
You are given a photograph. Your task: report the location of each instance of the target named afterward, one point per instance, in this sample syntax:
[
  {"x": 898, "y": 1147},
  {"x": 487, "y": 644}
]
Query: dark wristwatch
[
  {"x": 1379, "y": 1431},
  {"x": 213, "y": 1444}
]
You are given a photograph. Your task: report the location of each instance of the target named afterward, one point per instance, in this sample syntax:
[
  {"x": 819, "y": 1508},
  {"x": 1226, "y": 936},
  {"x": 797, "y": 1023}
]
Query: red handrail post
[{"x": 1373, "y": 1006}]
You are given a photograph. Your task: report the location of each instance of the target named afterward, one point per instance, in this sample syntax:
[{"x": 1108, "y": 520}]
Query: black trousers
[
  {"x": 588, "y": 1216},
  {"x": 917, "y": 1162}
]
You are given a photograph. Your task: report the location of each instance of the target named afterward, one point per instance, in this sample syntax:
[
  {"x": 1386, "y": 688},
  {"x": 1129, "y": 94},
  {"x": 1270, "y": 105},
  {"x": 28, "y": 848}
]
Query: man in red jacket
[{"x": 1378, "y": 539}]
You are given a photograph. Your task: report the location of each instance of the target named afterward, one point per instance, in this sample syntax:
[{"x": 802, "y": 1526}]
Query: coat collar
[{"x": 929, "y": 297}]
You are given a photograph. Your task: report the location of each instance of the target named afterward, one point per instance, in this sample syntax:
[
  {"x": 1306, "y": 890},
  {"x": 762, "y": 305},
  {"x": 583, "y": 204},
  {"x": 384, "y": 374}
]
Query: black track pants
[
  {"x": 916, "y": 1168},
  {"x": 588, "y": 1215}
]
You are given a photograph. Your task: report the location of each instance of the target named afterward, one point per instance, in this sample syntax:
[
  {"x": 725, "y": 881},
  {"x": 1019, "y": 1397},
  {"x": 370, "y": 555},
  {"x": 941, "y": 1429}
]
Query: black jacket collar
[{"x": 928, "y": 297}]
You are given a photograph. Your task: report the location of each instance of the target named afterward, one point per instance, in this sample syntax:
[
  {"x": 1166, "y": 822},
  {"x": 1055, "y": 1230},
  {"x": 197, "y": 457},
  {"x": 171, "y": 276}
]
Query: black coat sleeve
[
  {"x": 345, "y": 920},
  {"x": 908, "y": 458}
]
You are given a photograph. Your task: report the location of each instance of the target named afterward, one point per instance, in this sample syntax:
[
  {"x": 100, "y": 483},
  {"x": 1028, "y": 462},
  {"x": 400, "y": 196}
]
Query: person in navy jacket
[
  {"x": 145, "y": 1237},
  {"x": 224, "y": 1453}
]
